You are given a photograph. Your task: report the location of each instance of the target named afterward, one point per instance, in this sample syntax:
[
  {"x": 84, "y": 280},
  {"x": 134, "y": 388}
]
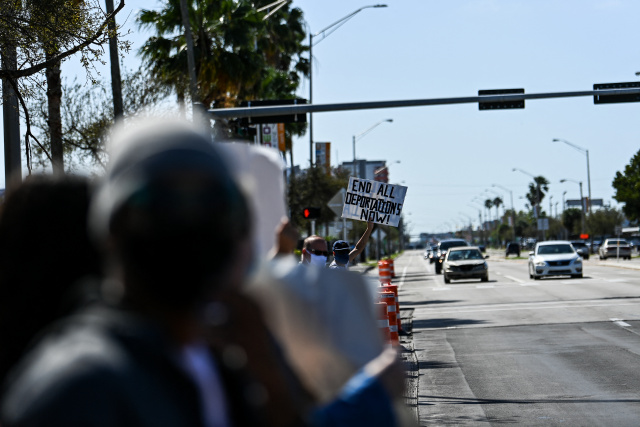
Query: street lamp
[
  {"x": 513, "y": 211},
  {"x": 537, "y": 206},
  {"x": 581, "y": 198},
  {"x": 362, "y": 135},
  {"x": 538, "y": 201},
  {"x": 479, "y": 207},
  {"x": 325, "y": 33},
  {"x": 586, "y": 152}
]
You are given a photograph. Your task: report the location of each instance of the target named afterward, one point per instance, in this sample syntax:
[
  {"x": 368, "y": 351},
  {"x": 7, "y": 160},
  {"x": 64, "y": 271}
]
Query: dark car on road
[
  {"x": 443, "y": 247},
  {"x": 465, "y": 262},
  {"x": 513, "y": 248},
  {"x": 581, "y": 247}
]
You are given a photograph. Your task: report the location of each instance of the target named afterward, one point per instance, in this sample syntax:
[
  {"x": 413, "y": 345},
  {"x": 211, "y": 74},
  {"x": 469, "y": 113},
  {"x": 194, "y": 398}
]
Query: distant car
[
  {"x": 615, "y": 248},
  {"x": 595, "y": 246},
  {"x": 465, "y": 262},
  {"x": 554, "y": 258},
  {"x": 581, "y": 248},
  {"x": 433, "y": 254},
  {"x": 513, "y": 248},
  {"x": 442, "y": 248},
  {"x": 428, "y": 252}
]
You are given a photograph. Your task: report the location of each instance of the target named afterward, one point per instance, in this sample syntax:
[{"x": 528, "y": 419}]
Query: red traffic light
[{"x": 311, "y": 213}]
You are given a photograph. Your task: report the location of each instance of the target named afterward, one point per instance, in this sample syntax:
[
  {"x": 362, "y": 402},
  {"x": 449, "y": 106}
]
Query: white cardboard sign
[{"x": 374, "y": 201}]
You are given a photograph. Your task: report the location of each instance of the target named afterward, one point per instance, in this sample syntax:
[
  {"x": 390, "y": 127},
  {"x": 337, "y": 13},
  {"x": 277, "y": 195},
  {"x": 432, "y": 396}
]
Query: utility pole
[
  {"x": 116, "y": 80},
  {"x": 11, "y": 121},
  {"x": 191, "y": 61}
]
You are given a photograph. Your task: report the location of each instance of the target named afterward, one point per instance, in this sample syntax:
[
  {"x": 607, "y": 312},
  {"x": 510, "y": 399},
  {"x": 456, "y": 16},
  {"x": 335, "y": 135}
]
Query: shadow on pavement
[
  {"x": 430, "y": 302},
  {"x": 445, "y": 323}
]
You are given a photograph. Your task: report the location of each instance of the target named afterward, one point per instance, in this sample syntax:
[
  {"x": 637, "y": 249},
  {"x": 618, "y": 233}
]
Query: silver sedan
[{"x": 554, "y": 258}]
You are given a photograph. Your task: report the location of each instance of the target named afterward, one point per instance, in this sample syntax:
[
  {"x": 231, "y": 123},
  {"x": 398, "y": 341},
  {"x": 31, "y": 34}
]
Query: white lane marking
[
  {"x": 615, "y": 280},
  {"x": 523, "y": 307},
  {"x": 404, "y": 273},
  {"x": 619, "y": 322},
  {"x": 485, "y": 286},
  {"x": 514, "y": 279},
  {"x": 441, "y": 288}
]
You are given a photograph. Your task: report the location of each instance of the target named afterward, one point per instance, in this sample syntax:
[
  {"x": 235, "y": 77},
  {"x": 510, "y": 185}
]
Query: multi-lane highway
[{"x": 518, "y": 351}]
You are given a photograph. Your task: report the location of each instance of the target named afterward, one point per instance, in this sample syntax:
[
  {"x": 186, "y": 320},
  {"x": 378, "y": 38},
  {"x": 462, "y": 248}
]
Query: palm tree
[
  {"x": 497, "y": 202},
  {"x": 488, "y": 204},
  {"x": 238, "y": 55},
  {"x": 537, "y": 191}
]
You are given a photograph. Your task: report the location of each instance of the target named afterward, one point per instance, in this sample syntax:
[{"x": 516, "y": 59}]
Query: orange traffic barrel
[
  {"x": 391, "y": 266},
  {"x": 384, "y": 271},
  {"x": 394, "y": 290},
  {"x": 383, "y": 321},
  {"x": 393, "y": 328}
]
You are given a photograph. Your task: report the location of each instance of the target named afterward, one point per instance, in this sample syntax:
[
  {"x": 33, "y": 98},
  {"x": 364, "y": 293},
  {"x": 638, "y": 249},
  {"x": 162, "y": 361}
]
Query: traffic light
[
  {"x": 311, "y": 213},
  {"x": 501, "y": 105},
  {"x": 600, "y": 99}
]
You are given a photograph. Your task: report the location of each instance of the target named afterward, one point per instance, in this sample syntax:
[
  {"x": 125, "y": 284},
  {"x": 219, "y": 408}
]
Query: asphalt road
[{"x": 518, "y": 351}]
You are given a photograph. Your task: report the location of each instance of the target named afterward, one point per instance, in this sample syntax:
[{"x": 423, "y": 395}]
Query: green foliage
[
  {"x": 87, "y": 114},
  {"x": 534, "y": 196},
  {"x": 603, "y": 221},
  {"x": 315, "y": 188},
  {"x": 37, "y": 28},
  {"x": 572, "y": 220},
  {"x": 238, "y": 55},
  {"x": 627, "y": 186}
]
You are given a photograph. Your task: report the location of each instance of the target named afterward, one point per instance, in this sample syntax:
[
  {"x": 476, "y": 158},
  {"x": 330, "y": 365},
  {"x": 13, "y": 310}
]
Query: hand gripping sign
[{"x": 374, "y": 201}]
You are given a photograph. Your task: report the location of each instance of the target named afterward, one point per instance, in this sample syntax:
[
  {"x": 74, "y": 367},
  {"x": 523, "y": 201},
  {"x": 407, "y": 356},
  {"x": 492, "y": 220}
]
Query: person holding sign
[{"x": 342, "y": 253}]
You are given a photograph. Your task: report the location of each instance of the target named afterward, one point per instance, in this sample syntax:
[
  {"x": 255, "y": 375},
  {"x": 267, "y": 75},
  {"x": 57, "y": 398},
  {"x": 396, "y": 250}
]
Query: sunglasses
[{"x": 317, "y": 252}]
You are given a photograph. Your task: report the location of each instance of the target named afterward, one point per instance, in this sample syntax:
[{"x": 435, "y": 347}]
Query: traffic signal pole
[{"x": 229, "y": 113}]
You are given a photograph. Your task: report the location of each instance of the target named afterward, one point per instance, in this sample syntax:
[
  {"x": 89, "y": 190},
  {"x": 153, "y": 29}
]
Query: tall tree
[
  {"x": 497, "y": 202},
  {"x": 87, "y": 113},
  {"x": 603, "y": 222},
  {"x": 238, "y": 55},
  {"x": 45, "y": 32},
  {"x": 572, "y": 220},
  {"x": 537, "y": 191},
  {"x": 627, "y": 186},
  {"x": 488, "y": 204}
]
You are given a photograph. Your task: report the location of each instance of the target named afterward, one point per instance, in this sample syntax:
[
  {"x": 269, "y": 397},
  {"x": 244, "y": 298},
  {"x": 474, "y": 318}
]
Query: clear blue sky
[{"x": 451, "y": 154}]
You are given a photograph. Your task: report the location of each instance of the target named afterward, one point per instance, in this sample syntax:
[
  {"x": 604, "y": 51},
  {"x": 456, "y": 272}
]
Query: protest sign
[{"x": 374, "y": 201}]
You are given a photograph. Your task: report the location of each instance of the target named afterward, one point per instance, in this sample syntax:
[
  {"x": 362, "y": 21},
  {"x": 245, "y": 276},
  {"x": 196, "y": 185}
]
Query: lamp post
[
  {"x": 481, "y": 206},
  {"x": 362, "y": 135},
  {"x": 586, "y": 152},
  {"x": 537, "y": 205},
  {"x": 325, "y": 34},
  {"x": 581, "y": 199},
  {"x": 513, "y": 211}
]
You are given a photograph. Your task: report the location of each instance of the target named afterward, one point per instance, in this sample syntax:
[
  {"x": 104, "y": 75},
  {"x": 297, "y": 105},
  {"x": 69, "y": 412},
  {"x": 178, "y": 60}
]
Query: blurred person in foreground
[
  {"x": 46, "y": 259},
  {"x": 174, "y": 229},
  {"x": 177, "y": 344}
]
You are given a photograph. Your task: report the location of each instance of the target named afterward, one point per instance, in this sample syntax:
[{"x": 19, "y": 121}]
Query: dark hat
[{"x": 341, "y": 246}]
